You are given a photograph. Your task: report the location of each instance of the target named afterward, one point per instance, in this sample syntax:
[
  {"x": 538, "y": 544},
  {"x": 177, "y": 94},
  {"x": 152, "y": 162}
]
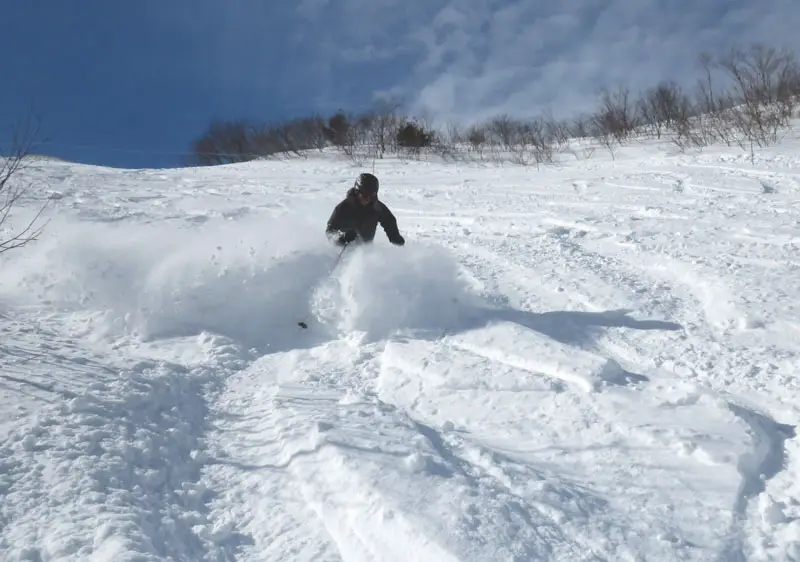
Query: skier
[{"x": 358, "y": 215}]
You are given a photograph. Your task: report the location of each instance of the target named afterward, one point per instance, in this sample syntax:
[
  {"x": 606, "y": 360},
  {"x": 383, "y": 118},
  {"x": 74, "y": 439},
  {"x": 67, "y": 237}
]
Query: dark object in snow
[
  {"x": 358, "y": 215},
  {"x": 303, "y": 325}
]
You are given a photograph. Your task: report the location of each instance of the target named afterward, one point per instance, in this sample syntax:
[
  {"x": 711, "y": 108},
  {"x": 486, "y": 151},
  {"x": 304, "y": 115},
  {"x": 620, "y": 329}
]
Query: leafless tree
[
  {"x": 617, "y": 113},
  {"x": 224, "y": 142},
  {"x": 707, "y": 88},
  {"x": 477, "y": 138},
  {"x": 350, "y": 134},
  {"x": 581, "y": 126},
  {"x": 615, "y": 120},
  {"x": 449, "y": 140},
  {"x": 712, "y": 121},
  {"x": 541, "y": 140},
  {"x": 13, "y": 187},
  {"x": 454, "y": 133},
  {"x": 663, "y": 106},
  {"x": 521, "y": 142},
  {"x": 307, "y": 133},
  {"x": 763, "y": 83},
  {"x": 503, "y": 130},
  {"x": 603, "y": 130},
  {"x": 557, "y": 132},
  {"x": 385, "y": 119}
]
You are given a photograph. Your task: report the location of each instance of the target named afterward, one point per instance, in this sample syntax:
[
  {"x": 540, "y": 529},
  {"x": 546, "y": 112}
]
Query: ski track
[
  {"x": 617, "y": 381},
  {"x": 362, "y": 455}
]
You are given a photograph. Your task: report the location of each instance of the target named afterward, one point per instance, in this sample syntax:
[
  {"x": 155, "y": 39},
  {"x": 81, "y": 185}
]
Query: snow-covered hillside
[{"x": 597, "y": 360}]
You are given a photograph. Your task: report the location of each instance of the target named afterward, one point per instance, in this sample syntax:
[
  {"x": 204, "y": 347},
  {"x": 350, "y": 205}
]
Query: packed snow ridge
[{"x": 595, "y": 360}]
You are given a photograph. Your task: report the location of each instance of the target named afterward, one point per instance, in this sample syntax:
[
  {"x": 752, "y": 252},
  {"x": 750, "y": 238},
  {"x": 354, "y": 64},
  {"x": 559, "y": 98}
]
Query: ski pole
[
  {"x": 333, "y": 268},
  {"x": 338, "y": 258}
]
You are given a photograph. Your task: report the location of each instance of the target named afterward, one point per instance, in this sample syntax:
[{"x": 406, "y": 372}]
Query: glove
[
  {"x": 398, "y": 240},
  {"x": 346, "y": 238}
]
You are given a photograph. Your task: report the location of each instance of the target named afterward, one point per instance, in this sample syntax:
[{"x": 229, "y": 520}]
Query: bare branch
[{"x": 13, "y": 188}]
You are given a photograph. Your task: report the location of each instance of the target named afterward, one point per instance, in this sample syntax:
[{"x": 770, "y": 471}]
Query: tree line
[{"x": 744, "y": 97}]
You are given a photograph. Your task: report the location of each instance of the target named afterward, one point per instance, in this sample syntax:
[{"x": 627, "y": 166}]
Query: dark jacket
[{"x": 350, "y": 220}]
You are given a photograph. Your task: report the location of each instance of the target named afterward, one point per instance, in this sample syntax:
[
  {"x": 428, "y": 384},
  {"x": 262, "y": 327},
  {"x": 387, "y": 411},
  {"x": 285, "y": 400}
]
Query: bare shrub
[
  {"x": 522, "y": 143},
  {"x": 478, "y": 139},
  {"x": 266, "y": 140},
  {"x": 581, "y": 126},
  {"x": 307, "y": 133},
  {"x": 663, "y": 106},
  {"x": 558, "y": 132},
  {"x": 350, "y": 134},
  {"x": 503, "y": 129},
  {"x": 617, "y": 114},
  {"x": 449, "y": 140},
  {"x": 454, "y": 133},
  {"x": 603, "y": 132},
  {"x": 384, "y": 121},
  {"x": 763, "y": 80},
  {"x": 13, "y": 188},
  {"x": 615, "y": 120},
  {"x": 746, "y": 97},
  {"x": 413, "y": 137},
  {"x": 541, "y": 139},
  {"x": 294, "y": 136},
  {"x": 224, "y": 142}
]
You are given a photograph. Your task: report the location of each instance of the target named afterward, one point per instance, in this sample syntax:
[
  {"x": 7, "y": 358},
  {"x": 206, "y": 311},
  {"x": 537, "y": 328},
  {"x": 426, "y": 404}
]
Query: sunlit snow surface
[{"x": 597, "y": 360}]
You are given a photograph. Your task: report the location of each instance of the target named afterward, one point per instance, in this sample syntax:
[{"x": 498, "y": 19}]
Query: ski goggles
[{"x": 366, "y": 196}]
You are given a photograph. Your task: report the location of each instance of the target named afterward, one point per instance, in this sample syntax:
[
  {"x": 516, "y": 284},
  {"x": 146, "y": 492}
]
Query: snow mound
[{"x": 377, "y": 291}]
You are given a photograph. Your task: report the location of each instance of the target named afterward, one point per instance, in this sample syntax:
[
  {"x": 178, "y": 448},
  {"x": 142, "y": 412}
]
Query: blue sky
[{"x": 131, "y": 83}]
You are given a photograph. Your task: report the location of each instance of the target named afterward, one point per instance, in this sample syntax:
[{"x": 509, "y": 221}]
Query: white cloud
[
  {"x": 480, "y": 57},
  {"x": 468, "y": 59}
]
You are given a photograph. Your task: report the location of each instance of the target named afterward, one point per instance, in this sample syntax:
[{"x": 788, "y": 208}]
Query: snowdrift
[{"x": 377, "y": 291}]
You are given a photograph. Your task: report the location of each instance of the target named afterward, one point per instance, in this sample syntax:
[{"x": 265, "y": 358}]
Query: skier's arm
[
  {"x": 389, "y": 224},
  {"x": 334, "y": 229}
]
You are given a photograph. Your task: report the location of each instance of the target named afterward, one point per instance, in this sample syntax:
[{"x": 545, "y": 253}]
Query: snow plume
[
  {"x": 378, "y": 290},
  {"x": 247, "y": 281}
]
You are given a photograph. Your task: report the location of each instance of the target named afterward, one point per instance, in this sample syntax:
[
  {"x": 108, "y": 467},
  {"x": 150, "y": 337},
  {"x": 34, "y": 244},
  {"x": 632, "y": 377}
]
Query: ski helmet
[{"x": 367, "y": 184}]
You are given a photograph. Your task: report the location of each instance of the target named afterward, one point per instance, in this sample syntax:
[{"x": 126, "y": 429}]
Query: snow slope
[{"x": 593, "y": 361}]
